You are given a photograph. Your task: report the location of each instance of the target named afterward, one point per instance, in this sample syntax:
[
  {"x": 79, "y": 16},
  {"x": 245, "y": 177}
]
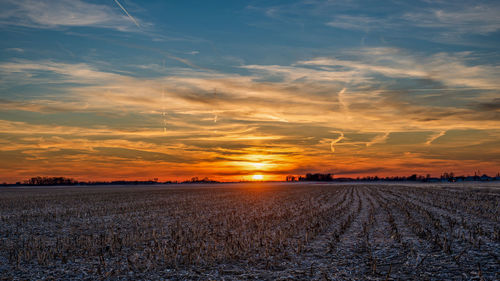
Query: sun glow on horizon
[{"x": 257, "y": 177}]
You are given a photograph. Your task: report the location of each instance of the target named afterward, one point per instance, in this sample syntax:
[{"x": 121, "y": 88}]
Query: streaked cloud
[
  {"x": 252, "y": 98},
  {"x": 335, "y": 141},
  {"x": 477, "y": 17},
  {"x": 18, "y": 50},
  {"x": 362, "y": 23},
  {"x": 451, "y": 69},
  {"x": 435, "y": 137},
  {"x": 62, "y": 13},
  {"x": 67, "y": 73},
  {"x": 378, "y": 139},
  {"x": 438, "y": 21}
]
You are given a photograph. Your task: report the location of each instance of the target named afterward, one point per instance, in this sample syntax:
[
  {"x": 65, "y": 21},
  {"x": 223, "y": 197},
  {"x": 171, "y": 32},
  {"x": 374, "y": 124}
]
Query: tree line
[{"x": 444, "y": 177}]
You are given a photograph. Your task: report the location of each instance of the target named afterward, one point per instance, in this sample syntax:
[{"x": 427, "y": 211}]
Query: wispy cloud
[
  {"x": 434, "y": 137},
  {"x": 312, "y": 87},
  {"x": 22, "y": 71},
  {"x": 466, "y": 18},
  {"x": 42, "y": 106},
  {"x": 439, "y": 21},
  {"x": 335, "y": 141},
  {"x": 343, "y": 103},
  {"x": 451, "y": 69},
  {"x": 378, "y": 139},
  {"x": 62, "y": 13},
  {"x": 288, "y": 122},
  {"x": 18, "y": 50},
  {"x": 362, "y": 23}
]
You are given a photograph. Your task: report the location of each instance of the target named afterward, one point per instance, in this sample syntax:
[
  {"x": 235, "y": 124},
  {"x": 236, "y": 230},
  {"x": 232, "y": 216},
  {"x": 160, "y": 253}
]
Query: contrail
[
  {"x": 332, "y": 144},
  {"x": 345, "y": 107},
  {"x": 163, "y": 113},
  {"x": 131, "y": 17},
  {"x": 434, "y": 137},
  {"x": 341, "y": 99},
  {"x": 378, "y": 139},
  {"x": 215, "y": 99}
]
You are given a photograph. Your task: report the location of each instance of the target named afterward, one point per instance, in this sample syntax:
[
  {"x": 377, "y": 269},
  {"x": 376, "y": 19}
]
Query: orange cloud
[{"x": 111, "y": 126}]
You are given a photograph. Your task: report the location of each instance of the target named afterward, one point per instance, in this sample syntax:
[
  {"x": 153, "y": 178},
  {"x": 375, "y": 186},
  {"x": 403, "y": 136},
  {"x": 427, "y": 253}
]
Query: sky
[{"x": 127, "y": 89}]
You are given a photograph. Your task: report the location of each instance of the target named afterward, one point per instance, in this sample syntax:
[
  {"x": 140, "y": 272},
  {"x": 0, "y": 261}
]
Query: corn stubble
[{"x": 265, "y": 231}]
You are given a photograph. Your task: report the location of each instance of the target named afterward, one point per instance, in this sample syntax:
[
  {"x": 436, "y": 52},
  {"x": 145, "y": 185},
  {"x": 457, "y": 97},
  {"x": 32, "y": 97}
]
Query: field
[{"x": 263, "y": 231}]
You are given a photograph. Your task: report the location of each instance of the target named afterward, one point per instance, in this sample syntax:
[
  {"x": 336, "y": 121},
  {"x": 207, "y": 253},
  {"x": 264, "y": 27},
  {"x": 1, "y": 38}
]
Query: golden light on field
[{"x": 257, "y": 177}]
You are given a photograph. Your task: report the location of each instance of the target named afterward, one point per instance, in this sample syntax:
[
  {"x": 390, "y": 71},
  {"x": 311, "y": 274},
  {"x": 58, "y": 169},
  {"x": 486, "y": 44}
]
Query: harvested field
[{"x": 251, "y": 231}]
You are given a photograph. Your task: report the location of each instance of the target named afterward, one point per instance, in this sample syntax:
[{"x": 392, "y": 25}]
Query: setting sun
[{"x": 257, "y": 177}]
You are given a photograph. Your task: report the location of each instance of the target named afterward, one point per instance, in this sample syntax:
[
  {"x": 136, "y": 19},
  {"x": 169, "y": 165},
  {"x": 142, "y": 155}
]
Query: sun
[{"x": 257, "y": 177}]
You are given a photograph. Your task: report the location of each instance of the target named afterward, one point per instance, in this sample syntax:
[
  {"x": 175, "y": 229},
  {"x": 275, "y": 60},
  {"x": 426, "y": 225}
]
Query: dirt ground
[{"x": 252, "y": 231}]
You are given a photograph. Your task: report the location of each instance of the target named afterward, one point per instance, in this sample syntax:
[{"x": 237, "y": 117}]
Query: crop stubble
[{"x": 251, "y": 231}]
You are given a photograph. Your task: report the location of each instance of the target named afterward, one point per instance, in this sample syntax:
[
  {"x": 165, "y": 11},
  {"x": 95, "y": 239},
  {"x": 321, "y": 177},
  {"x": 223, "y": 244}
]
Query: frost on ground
[{"x": 261, "y": 231}]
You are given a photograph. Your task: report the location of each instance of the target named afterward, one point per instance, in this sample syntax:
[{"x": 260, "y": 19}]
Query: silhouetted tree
[
  {"x": 50, "y": 181},
  {"x": 317, "y": 177}
]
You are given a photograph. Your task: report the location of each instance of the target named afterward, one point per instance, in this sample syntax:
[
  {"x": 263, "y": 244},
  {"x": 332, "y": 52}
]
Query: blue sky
[{"x": 228, "y": 89}]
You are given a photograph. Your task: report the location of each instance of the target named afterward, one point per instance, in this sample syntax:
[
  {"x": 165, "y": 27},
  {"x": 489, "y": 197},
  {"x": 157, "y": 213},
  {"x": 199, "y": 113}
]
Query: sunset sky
[{"x": 128, "y": 89}]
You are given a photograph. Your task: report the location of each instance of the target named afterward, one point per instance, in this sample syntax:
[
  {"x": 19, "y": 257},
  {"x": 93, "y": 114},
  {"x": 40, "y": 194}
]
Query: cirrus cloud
[{"x": 62, "y": 13}]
